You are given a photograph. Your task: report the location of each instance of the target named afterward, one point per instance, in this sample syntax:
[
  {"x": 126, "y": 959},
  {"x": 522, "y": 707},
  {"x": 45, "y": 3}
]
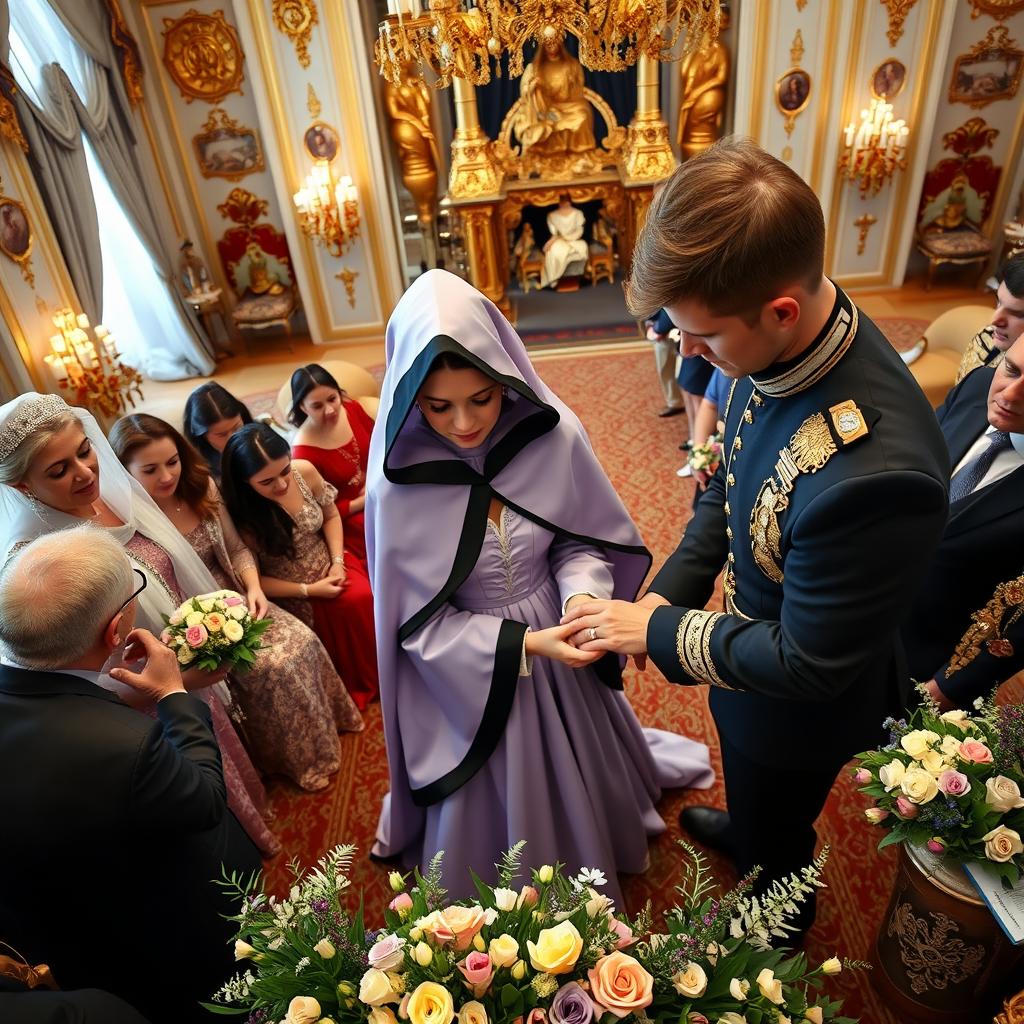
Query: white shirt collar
[{"x": 1017, "y": 440}]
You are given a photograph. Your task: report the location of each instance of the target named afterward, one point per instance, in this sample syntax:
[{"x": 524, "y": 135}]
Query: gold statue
[
  {"x": 954, "y": 205},
  {"x": 261, "y": 282},
  {"x": 705, "y": 75},
  {"x": 408, "y": 106},
  {"x": 555, "y": 118}
]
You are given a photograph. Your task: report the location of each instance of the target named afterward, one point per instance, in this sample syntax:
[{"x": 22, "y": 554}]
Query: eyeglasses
[{"x": 135, "y": 593}]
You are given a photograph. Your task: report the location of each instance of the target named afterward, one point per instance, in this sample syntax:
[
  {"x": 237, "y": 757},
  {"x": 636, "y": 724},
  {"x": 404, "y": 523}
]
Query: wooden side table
[{"x": 208, "y": 304}]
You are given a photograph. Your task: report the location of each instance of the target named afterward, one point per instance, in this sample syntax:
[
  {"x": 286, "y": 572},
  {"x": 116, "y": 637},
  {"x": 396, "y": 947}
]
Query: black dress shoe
[
  {"x": 671, "y": 410},
  {"x": 709, "y": 826}
]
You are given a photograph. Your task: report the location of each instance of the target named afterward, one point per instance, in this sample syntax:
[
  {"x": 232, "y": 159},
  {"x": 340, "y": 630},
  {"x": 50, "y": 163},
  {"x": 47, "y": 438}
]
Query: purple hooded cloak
[{"x": 450, "y": 677}]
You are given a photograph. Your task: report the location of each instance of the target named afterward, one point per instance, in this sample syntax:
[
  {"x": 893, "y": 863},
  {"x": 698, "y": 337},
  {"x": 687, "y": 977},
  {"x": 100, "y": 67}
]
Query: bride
[{"x": 487, "y": 514}]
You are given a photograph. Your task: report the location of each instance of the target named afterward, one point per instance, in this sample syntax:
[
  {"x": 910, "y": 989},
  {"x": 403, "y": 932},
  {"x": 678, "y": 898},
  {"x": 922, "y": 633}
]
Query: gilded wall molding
[
  {"x": 898, "y": 11},
  {"x": 296, "y": 19},
  {"x": 203, "y": 56},
  {"x": 128, "y": 50},
  {"x": 998, "y": 9},
  {"x": 347, "y": 276},
  {"x": 863, "y": 224},
  {"x": 16, "y": 235}
]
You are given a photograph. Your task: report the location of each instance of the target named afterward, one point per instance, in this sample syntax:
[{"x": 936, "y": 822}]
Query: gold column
[
  {"x": 647, "y": 155},
  {"x": 484, "y": 247},
  {"x": 474, "y": 172}
]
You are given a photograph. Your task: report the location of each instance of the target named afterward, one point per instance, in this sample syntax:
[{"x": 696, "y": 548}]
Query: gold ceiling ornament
[
  {"x": 863, "y": 223},
  {"x": 312, "y": 102},
  {"x": 347, "y": 276},
  {"x": 458, "y": 38},
  {"x": 796, "y": 50},
  {"x": 971, "y": 137},
  {"x": 898, "y": 11},
  {"x": 242, "y": 207},
  {"x": 999, "y": 9},
  {"x": 801, "y": 4},
  {"x": 297, "y": 19},
  {"x": 203, "y": 55}
]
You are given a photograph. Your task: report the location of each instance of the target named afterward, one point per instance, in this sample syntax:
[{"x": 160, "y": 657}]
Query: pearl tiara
[{"x": 29, "y": 415}]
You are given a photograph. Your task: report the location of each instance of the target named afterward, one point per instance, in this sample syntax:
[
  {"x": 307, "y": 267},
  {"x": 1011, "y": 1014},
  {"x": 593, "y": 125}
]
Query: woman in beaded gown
[
  {"x": 293, "y": 701},
  {"x": 59, "y": 470},
  {"x": 334, "y": 435},
  {"x": 487, "y": 515},
  {"x": 286, "y": 514}
]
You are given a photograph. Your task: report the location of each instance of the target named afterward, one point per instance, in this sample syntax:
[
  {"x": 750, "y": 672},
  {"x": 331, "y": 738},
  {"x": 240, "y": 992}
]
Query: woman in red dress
[{"x": 334, "y": 435}]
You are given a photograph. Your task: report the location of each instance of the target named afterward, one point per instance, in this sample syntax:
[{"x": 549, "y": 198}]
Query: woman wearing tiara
[
  {"x": 57, "y": 470},
  {"x": 488, "y": 514}
]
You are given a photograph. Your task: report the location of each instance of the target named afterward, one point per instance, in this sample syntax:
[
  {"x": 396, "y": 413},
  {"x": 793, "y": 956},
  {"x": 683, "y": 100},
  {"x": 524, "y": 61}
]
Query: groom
[{"x": 829, "y": 503}]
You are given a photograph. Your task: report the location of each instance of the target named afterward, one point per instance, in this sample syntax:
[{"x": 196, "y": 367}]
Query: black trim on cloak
[{"x": 508, "y": 650}]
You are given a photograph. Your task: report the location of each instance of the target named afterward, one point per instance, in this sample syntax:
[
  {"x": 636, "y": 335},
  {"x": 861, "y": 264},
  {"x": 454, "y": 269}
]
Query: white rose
[
  {"x": 597, "y": 904},
  {"x": 176, "y": 619},
  {"x": 957, "y": 716},
  {"x": 185, "y": 654},
  {"x": 382, "y": 1015},
  {"x": 738, "y": 989},
  {"x": 950, "y": 746},
  {"x": 233, "y": 631},
  {"x": 472, "y": 1012},
  {"x": 205, "y": 603},
  {"x": 731, "y": 1017},
  {"x": 375, "y": 988},
  {"x": 891, "y": 775},
  {"x": 303, "y": 1010},
  {"x": 237, "y": 612},
  {"x": 917, "y": 741},
  {"x": 505, "y": 899},
  {"x": 691, "y": 982},
  {"x": 1003, "y": 794},
  {"x": 503, "y": 951},
  {"x": 1002, "y": 844},
  {"x": 194, "y": 619},
  {"x": 932, "y": 761},
  {"x": 918, "y": 786},
  {"x": 770, "y": 986},
  {"x": 814, "y": 1014},
  {"x": 325, "y": 948}
]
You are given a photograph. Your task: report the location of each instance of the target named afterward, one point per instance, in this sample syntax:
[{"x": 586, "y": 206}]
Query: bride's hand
[{"x": 551, "y": 643}]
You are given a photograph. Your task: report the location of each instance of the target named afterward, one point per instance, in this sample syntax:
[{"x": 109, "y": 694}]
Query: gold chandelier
[{"x": 458, "y": 38}]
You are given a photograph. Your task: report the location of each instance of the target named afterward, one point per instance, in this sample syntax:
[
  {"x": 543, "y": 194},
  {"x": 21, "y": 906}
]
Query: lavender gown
[{"x": 574, "y": 773}]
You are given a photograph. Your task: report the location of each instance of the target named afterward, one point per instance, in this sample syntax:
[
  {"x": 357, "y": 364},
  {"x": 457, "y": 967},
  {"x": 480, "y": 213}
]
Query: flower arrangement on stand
[
  {"x": 552, "y": 951},
  {"x": 214, "y": 629},
  {"x": 952, "y": 782}
]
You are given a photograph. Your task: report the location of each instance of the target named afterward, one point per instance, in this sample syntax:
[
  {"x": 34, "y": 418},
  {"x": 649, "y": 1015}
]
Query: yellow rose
[
  {"x": 375, "y": 988},
  {"x": 1003, "y": 794},
  {"x": 206, "y": 603},
  {"x": 214, "y": 622},
  {"x": 195, "y": 619},
  {"x": 770, "y": 986},
  {"x": 519, "y": 970},
  {"x": 325, "y": 948},
  {"x": 233, "y": 631},
  {"x": 814, "y": 1014},
  {"x": 957, "y": 716},
  {"x": 185, "y": 655},
  {"x": 738, "y": 989},
  {"x": 556, "y": 949},
  {"x": 833, "y": 965},
  {"x": 917, "y": 741},
  {"x": 472, "y": 1012},
  {"x": 383, "y": 1015},
  {"x": 431, "y": 1004},
  {"x": 422, "y": 954},
  {"x": 243, "y": 949},
  {"x": 303, "y": 1010},
  {"x": 1001, "y": 844},
  {"x": 691, "y": 982},
  {"x": 503, "y": 950},
  {"x": 933, "y": 761},
  {"x": 949, "y": 746},
  {"x": 891, "y": 775},
  {"x": 396, "y": 881},
  {"x": 545, "y": 873},
  {"x": 918, "y": 786}
]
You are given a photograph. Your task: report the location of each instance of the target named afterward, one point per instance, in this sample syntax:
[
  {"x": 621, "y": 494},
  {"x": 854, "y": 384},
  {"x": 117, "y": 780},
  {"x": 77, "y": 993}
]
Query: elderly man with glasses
[{"x": 117, "y": 821}]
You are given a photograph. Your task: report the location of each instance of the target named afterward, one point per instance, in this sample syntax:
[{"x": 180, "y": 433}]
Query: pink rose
[
  {"x": 905, "y": 808},
  {"x": 165, "y": 637},
  {"x": 232, "y": 602},
  {"x": 196, "y": 636},
  {"x": 403, "y": 1006},
  {"x": 954, "y": 783},
  {"x": 862, "y": 776},
  {"x": 401, "y": 904},
  {"x": 478, "y": 971},
  {"x": 464, "y": 923},
  {"x": 697, "y": 1018},
  {"x": 437, "y": 928},
  {"x": 387, "y": 954},
  {"x": 528, "y": 896},
  {"x": 623, "y": 932},
  {"x": 537, "y": 1016},
  {"x": 973, "y": 750},
  {"x": 620, "y": 984},
  {"x": 936, "y": 845}
]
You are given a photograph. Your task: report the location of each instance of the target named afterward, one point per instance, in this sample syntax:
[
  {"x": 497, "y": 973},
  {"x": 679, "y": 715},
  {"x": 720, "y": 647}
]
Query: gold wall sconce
[
  {"x": 874, "y": 149},
  {"x": 328, "y": 209}
]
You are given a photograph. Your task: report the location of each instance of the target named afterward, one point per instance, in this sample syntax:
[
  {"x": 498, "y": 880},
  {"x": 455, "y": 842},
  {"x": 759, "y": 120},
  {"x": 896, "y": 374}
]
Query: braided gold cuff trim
[{"x": 693, "y": 646}]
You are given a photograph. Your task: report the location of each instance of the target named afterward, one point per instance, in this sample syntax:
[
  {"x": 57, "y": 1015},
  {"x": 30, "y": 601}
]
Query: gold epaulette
[{"x": 987, "y": 625}]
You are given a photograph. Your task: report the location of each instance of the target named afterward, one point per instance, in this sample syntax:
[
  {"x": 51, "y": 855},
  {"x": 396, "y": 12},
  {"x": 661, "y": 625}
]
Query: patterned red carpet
[{"x": 616, "y": 394}]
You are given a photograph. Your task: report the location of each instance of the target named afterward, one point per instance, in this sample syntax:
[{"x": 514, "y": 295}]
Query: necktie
[{"x": 972, "y": 474}]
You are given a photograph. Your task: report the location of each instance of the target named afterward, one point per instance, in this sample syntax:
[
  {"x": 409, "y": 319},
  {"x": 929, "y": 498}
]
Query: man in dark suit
[
  {"x": 116, "y": 823},
  {"x": 826, "y": 510},
  {"x": 982, "y": 421}
]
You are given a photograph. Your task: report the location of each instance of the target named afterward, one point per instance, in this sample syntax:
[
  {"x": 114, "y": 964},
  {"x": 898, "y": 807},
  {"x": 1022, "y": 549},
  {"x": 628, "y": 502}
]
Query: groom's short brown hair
[{"x": 732, "y": 228}]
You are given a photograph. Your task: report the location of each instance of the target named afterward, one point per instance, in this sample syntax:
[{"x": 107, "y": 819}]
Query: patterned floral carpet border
[{"x": 616, "y": 395}]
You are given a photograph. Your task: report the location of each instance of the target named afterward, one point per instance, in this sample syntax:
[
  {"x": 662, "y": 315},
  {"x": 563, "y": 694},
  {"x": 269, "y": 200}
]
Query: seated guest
[
  {"x": 212, "y": 415},
  {"x": 286, "y": 514},
  {"x": 982, "y": 420},
  {"x": 566, "y": 245},
  {"x": 334, "y": 435},
  {"x": 122, "y": 819},
  {"x": 292, "y": 699},
  {"x": 986, "y": 348}
]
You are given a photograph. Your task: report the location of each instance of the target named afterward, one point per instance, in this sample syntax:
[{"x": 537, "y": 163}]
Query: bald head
[{"x": 59, "y": 593}]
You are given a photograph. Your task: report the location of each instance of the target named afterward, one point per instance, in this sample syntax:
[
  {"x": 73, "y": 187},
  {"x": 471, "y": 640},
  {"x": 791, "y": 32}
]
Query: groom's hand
[{"x": 618, "y": 626}]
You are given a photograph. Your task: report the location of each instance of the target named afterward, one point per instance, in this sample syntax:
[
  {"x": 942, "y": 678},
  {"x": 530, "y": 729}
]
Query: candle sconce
[
  {"x": 328, "y": 210},
  {"x": 875, "y": 149}
]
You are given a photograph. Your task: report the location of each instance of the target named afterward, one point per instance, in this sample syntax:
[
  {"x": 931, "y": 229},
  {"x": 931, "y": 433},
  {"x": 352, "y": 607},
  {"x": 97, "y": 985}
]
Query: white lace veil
[{"x": 23, "y": 519}]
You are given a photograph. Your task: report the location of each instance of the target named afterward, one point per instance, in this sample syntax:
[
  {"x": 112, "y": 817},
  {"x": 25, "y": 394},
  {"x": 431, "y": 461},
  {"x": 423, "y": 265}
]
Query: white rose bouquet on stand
[{"x": 215, "y": 630}]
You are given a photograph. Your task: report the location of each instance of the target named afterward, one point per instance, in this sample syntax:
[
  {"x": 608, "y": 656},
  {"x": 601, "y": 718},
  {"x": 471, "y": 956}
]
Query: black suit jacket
[
  {"x": 115, "y": 826},
  {"x": 983, "y": 545},
  {"x": 805, "y": 669}
]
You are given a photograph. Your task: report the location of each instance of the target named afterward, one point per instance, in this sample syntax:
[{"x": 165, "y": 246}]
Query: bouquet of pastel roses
[
  {"x": 550, "y": 951},
  {"x": 706, "y": 457},
  {"x": 952, "y": 782},
  {"x": 213, "y": 630}
]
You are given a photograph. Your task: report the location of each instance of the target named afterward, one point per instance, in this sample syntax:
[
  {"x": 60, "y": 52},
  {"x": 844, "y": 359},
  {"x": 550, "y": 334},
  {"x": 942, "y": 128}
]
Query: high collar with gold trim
[{"x": 832, "y": 342}]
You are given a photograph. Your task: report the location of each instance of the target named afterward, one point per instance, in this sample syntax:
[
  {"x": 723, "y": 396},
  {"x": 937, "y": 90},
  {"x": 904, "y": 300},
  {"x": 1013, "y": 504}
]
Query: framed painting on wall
[
  {"x": 888, "y": 79},
  {"x": 226, "y": 149},
  {"x": 989, "y": 71},
  {"x": 16, "y": 235},
  {"x": 321, "y": 141}
]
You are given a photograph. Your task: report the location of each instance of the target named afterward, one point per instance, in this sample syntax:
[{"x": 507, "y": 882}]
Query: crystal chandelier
[
  {"x": 458, "y": 38},
  {"x": 875, "y": 149},
  {"x": 328, "y": 209}
]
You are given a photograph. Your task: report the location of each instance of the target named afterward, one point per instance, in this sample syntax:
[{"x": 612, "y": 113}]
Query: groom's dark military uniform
[{"x": 825, "y": 512}]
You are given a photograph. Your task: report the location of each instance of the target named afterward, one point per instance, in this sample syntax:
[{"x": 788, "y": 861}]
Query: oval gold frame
[{"x": 903, "y": 81}]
